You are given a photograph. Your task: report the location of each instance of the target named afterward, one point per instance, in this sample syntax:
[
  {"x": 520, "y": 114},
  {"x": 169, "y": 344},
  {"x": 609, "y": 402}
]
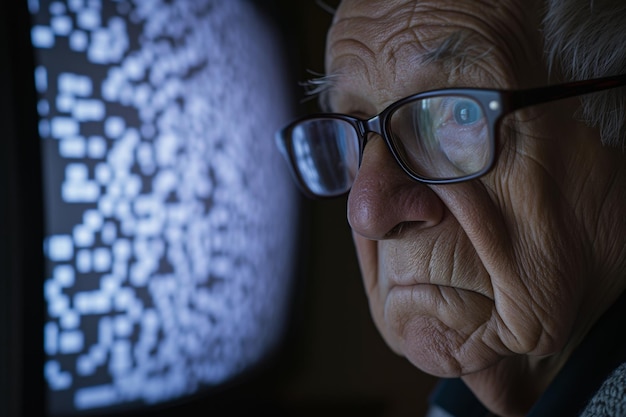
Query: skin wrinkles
[
  {"x": 467, "y": 50},
  {"x": 530, "y": 258},
  {"x": 465, "y": 338},
  {"x": 489, "y": 279},
  {"x": 550, "y": 188},
  {"x": 480, "y": 336},
  {"x": 529, "y": 239},
  {"x": 403, "y": 264},
  {"x": 449, "y": 330},
  {"x": 421, "y": 40},
  {"x": 440, "y": 280}
]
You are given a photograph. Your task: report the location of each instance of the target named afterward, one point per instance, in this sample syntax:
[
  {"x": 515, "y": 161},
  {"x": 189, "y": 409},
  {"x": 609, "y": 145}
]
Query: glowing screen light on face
[{"x": 169, "y": 216}]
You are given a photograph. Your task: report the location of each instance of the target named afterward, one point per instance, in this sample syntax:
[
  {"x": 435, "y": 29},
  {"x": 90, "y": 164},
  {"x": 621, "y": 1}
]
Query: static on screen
[{"x": 169, "y": 217}]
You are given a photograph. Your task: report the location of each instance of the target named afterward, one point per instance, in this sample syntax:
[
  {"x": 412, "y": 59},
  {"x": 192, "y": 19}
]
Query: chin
[
  {"x": 443, "y": 331},
  {"x": 442, "y": 352}
]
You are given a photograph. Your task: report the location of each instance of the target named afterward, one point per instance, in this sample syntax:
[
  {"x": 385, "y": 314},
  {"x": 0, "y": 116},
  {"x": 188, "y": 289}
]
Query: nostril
[
  {"x": 401, "y": 228},
  {"x": 398, "y": 229}
]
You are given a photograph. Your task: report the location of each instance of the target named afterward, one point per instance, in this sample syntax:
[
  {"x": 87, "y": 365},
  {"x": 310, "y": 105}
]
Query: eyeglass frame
[{"x": 496, "y": 104}]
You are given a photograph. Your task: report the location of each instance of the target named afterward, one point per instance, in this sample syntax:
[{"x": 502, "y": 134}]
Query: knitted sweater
[{"x": 610, "y": 400}]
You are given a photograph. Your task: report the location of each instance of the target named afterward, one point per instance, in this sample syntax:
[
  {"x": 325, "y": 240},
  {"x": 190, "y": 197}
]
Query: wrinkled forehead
[
  {"x": 386, "y": 28},
  {"x": 428, "y": 44}
]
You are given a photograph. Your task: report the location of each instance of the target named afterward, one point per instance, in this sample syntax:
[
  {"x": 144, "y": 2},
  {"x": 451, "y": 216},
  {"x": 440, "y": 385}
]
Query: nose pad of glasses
[
  {"x": 376, "y": 154},
  {"x": 372, "y": 129}
]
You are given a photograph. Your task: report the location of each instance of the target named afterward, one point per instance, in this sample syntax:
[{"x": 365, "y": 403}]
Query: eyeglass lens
[
  {"x": 326, "y": 155},
  {"x": 441, "y": 138}
]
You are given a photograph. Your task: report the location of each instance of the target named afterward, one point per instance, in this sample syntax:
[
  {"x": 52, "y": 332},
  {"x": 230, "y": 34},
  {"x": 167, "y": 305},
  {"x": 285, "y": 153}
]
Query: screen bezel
[{"x": 21, "y": 220}]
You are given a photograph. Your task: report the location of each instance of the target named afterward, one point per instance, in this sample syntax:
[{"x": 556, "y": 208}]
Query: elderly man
[{"x": 487, "y": 205}]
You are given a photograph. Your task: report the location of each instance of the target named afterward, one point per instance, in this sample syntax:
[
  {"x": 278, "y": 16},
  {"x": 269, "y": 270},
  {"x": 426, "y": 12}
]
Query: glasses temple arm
[{"x": 529, "y": 97}]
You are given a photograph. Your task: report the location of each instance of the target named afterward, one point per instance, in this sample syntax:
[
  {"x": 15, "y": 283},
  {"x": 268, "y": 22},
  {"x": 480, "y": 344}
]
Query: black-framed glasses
[{"x": 437, "y": 137}]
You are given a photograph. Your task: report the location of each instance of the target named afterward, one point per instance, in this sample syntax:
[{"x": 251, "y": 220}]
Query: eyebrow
[
  {"x": 319, "y": 87},
  {"x": 451, "y": 47},
  {"x": 456, "y": 52}
]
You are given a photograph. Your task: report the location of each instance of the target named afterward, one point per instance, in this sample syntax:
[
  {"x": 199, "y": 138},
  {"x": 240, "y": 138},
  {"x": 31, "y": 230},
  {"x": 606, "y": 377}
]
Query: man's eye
[{"x": 466, "y": 112}]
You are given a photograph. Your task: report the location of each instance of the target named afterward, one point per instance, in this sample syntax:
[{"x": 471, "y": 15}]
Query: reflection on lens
[
  {"x": 467, "y": 112},
  {"x": 326, "y": 155},
  {"x": 443, "y": 137}
]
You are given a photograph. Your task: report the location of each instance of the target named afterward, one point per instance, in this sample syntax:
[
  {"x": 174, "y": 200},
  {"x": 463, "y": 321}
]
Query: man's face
[{"x": 461, "y": 276}]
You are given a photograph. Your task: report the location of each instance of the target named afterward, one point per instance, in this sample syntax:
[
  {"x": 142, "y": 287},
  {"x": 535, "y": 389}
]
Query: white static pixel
[{"x": 212, "y": 202}]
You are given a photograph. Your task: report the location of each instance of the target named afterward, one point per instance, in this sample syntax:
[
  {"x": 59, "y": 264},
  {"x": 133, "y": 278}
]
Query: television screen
[{"x": 170, "y": 224}]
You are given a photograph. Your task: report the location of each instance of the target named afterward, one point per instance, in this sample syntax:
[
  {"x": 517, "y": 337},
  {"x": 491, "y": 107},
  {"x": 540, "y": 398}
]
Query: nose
[{"x": 384, "y": 200}]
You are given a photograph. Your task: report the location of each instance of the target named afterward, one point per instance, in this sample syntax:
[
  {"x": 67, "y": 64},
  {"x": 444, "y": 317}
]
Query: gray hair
[{"x": 586, "y": 39}]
